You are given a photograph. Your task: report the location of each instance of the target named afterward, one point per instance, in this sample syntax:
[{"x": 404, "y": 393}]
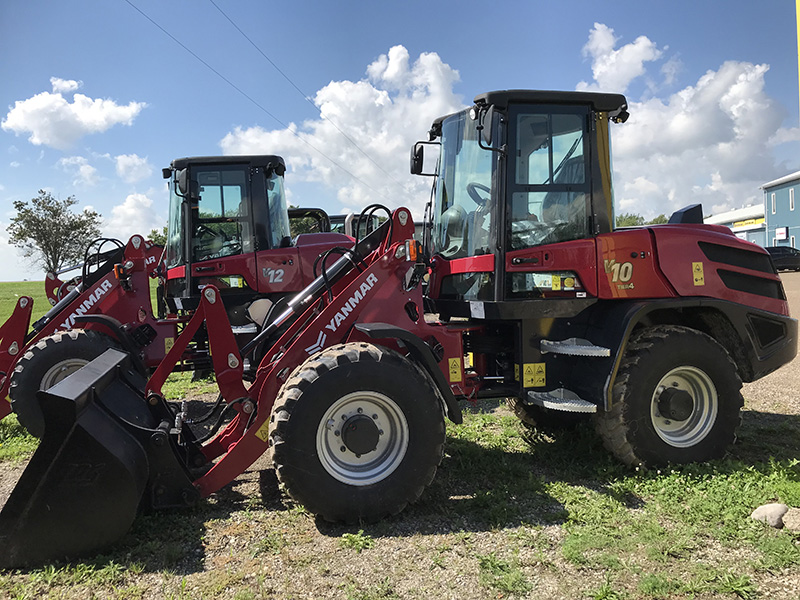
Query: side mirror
[
  {"x": 486, "y": 125},
  {"x": 418, "y": 159},
  {"x": 183, "y": 181}
]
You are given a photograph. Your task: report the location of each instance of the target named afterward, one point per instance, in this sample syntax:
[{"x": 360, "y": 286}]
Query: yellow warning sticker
[
  {"x": 455, "y": 369},
  {"x": 263, "y": 432},
  {"x": 516, "y": 372},
  {"x": 697, "y": 273},
  {"x": 556, "y": 283},
  {"x": 168, "y": 344},
  {"x": 533, "y": 375}
]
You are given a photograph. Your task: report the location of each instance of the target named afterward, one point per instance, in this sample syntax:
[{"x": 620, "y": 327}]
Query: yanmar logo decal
[
  {"x": 343, "y": 313},
  {"x": 87, "y": 304}
]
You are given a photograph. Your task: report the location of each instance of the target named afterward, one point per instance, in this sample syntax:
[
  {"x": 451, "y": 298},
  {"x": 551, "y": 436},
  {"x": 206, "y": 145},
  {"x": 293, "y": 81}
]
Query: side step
[
  {"x": 574, "y": 347},
  {"x": 561, "y": 399}
]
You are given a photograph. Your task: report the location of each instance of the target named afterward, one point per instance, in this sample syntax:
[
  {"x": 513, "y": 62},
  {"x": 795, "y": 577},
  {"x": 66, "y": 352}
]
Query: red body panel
[
  {"x": 692, "y": 273},
  {"x": 628, "y": 266},
  {"x": 577, "y": 256}
]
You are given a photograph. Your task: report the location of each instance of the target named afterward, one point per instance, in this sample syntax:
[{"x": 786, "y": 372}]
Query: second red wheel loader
[
  {"x": 228, "y": 226},
  {"x": 651, "y": 330}
]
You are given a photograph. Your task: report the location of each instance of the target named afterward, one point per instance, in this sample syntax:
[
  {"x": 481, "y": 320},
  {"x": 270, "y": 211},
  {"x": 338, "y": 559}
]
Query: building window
[
  {"x": 772, "y": 201},
  {"x": 791, "y": 198}
]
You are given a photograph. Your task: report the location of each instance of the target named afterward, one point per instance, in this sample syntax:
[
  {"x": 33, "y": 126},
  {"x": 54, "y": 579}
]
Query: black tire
[
  {"x": 550, "y": 422},
  {"x": 676, "y": 399},
  {"x": 47, "y": 362},
  {"x": 392, "y": 416}
]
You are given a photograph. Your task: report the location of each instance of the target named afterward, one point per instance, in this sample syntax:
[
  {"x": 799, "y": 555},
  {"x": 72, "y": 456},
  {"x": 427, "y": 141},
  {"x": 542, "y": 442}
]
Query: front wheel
[
  {"x": 357, "y": 433},
  {"x": 47, "y": 362},
  {"x": 676, "y": 399}
]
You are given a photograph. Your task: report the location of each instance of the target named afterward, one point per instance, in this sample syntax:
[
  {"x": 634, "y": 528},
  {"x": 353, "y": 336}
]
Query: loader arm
[{"x": 375, "y": 293}]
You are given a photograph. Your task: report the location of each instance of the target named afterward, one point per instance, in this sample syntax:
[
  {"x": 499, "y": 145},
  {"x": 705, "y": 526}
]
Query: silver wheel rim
[
  {"x": 689, "y": 432},
  {"x": 371, "y": 467},
  {"x": 61, "y": 371}
]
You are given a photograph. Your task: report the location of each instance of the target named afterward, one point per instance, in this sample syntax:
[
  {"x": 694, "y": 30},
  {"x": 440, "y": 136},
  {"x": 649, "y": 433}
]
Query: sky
[{"x": 97, "y": 96}]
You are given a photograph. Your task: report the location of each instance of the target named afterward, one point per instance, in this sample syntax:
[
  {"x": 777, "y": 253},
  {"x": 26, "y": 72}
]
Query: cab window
[{"x": 550, "y": 194}]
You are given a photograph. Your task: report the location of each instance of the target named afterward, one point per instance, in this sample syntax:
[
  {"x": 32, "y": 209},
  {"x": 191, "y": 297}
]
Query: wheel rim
[
  {"x": 60, "y": 371},
  {"x": 383, "y": 428},
  {"x": 701, "y": 415}
]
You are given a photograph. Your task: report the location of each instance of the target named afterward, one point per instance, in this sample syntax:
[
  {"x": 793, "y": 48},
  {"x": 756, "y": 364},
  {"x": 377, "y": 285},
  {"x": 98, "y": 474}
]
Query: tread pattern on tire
[
  {"x": 611, "y": 425},
  {"x": 291, "y": 394}
]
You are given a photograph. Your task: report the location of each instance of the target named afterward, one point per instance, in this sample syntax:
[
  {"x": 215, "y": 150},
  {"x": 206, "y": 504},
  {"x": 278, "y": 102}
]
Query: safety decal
[
  {"x": 263, "y": 432},
  {"x": 697, "y": 274},
  {"x": 556, "y": 283},
  {"x": 168, "y": 344},
  {"x": 455, "y": 369},
  {"x": 533, "y": 375},
  {"x": 516, "y": 372}
]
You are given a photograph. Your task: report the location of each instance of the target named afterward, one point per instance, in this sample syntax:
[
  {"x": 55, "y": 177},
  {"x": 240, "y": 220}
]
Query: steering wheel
[
  {"x": 474, "y": 189},
  {"x": 205, "y": 231}
]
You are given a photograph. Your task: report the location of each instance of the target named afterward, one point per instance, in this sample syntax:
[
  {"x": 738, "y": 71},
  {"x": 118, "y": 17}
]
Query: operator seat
[{"x": 454, "y": 225}]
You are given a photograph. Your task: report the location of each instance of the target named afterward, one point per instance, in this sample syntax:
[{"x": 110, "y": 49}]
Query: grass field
[
  {"x": 512, "y": 513},
  {"x": 11, "y": 291}
]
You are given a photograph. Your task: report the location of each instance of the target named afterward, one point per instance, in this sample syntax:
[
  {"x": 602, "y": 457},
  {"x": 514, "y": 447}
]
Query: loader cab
[
  {"x": 223, "y": 210},
  {"x": 522, "y": 185}
]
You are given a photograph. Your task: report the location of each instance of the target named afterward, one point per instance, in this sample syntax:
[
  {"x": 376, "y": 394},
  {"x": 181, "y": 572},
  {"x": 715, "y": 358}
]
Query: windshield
[{"x": 463, "y": 202}]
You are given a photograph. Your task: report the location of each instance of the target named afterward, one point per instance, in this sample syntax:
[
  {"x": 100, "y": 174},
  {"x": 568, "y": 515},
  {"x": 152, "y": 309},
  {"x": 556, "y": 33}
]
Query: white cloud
[
  {"x": 134, "y": 215},
  {"x": 53, "y": 121},
  {"x": 84, "y": 174},
  {"x": 614, "y": 69},
  {"x": 132, "y": 168},
  {"x": 383, "y": 114},
  {"x": 61, "y": 86},
  {"x": 708, "y": 143}
]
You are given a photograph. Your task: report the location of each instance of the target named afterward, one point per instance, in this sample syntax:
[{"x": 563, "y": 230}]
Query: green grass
[
  {"x": 11, "y": 291},
  {"x": 506, "y": 511}
]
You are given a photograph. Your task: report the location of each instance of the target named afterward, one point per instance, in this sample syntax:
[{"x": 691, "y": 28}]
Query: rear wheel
[
  {"x": 357, "y": 433},
  {"x": 676, "y": 399},
  {"x": 47, "y": 362}
]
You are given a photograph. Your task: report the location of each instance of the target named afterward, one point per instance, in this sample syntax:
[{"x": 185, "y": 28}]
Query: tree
[
  {"x": 629, "y": 220},
  {"x": 634, "y": 220},
  {"x": 49, "y": 233},
  {"x": 159, "y": 238}
]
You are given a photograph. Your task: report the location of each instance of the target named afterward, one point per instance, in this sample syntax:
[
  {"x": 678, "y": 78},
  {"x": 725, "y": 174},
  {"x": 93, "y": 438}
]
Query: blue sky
[{"x": 95, "y": 97}]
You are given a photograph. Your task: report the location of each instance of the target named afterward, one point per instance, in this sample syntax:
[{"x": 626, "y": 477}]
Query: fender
[
  {"x": 423, "y": 355},
  {"x": 759, "y": 341}
]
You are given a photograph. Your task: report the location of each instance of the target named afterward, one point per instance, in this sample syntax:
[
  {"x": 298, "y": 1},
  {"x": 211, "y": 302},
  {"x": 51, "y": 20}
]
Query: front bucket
[{"x": 84, "y": 485}]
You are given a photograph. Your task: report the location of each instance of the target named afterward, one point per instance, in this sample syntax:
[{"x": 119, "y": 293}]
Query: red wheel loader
[
  {"x": 229, "y": 226},
  {"x": 532, "y": 295}
]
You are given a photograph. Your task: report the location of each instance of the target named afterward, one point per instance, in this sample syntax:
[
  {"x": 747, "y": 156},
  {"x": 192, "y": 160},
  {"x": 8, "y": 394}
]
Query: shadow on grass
[{"x": 480, "y": 486}]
